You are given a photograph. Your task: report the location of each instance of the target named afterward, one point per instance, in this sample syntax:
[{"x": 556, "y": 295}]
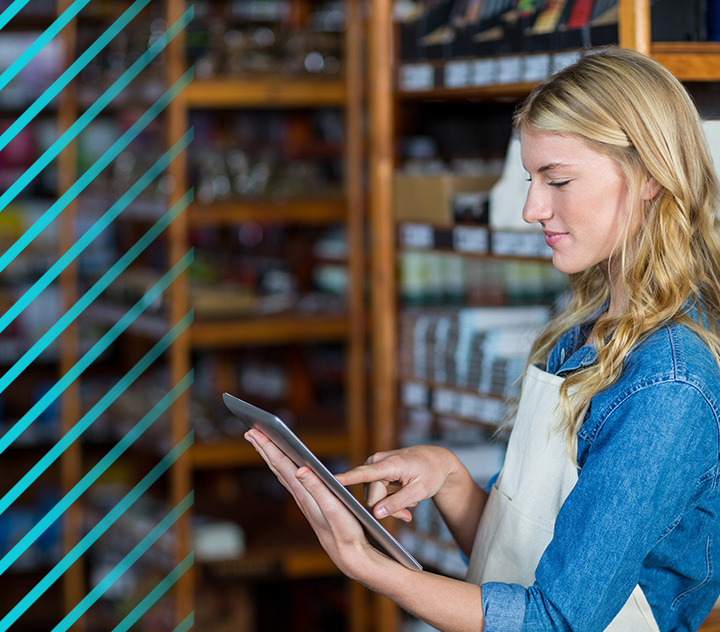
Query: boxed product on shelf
[
  {"x": 441, "y": 199},
  {"x": 477, "y": 29},
  {"x": 483, "y": 350}
]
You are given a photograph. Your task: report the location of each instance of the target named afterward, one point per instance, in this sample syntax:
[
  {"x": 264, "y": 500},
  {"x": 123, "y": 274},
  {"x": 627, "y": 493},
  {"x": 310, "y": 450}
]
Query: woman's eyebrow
[{"x": 553, "y": 165}]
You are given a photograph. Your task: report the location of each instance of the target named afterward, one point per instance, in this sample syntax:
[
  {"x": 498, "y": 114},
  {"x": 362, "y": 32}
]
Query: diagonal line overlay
[
  {"x": 95, "y": 472},
  {"x": 155, "y": 594},
  {"x": 96, "y": 532},
  {"x": 97, "y": 349},
  {"x": 97, "y": 107},
  {"x": 126, "y": 563},
  {"x": 62, "y": 20},
  {"x": 71, "y": 72}
]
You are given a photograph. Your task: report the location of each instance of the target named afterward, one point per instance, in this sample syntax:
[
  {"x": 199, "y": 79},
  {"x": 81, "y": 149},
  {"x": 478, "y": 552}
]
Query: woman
[{"x": 606, "y": 512}]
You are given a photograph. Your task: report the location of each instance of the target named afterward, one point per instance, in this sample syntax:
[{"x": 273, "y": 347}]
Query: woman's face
[{"x": 579, "y": 196}]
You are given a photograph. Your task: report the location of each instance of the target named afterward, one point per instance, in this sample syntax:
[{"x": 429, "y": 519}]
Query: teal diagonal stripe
[
  {"x": 42, "y": 41},
  {"x": 125, "y": 564},
  {"x": 97, "y": 349},
  {"x": 187, "y": 623},
  {"x": 72, "y": 72},
  {"x": 11, "y": 12},
  {"x": 85, "y": 179},
  {"x": 155, "y": 594},
  {"x": 94, "y": 292},
  {"x": 96, "y": 532},
  {"x": 81, "y": 244},
  {"x": 101, "y": 467},
  {"x": 96, "y": 108},
  {"x": 74, "y": 433}
]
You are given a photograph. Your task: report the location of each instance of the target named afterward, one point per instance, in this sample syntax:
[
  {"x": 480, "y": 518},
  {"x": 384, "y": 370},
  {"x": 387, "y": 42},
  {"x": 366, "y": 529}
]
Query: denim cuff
[{"x": 503, "y": 606}]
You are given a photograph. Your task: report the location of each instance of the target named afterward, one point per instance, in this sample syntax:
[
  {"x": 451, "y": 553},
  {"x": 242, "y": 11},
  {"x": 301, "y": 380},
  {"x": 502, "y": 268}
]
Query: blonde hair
[{"x": 629, "y": 107}]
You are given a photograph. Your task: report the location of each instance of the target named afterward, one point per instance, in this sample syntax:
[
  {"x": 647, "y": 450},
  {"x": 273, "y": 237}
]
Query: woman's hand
[
  {"x": 339, "y": 532},
  {"x": 446, "y": 604},
  {"x": 422, "y": 472}
]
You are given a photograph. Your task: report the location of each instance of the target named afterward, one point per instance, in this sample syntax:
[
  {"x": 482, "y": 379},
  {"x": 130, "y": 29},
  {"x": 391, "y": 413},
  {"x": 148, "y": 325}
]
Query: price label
[
  {"x": 470, "y": 239},
  {"x": 510, "y": 69},
  {"x": 414, "y": 394},
  {"x": 416, "y": 236},
  {"x": 484, "y": 72},
  {"x": 443, "y": 401},
  {"x": 537, "y": 67},
  {"x": 416, "y": 77},
  {"x": 503, "y": 243},
  {"x": 561, "y": 61},
  {"x": 468, "y": 406},
  {"x": 457, "y": 74}
]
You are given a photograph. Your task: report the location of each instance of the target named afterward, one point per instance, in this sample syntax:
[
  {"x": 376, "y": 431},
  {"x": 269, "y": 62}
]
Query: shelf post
[
  {"x": 634, "y": 25},
  {"x": 382, "y": 250}
]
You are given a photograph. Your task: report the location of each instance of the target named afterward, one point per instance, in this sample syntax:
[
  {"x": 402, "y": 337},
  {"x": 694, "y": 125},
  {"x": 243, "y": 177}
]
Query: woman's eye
[{"x": 558, "y": 184}]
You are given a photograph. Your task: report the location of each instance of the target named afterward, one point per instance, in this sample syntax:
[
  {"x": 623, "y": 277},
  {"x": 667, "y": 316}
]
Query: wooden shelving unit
[
  {"x": 287, "y": 211},
  {"x": 689, "y": 61},
  {"x": 266, "y": 93},
  {"x": 274, "y": 330},
  {"x": 348, "y": 328}
]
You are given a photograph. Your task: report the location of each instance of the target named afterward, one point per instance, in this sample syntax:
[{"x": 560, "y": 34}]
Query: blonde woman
[{"x": 606, "y": 515}]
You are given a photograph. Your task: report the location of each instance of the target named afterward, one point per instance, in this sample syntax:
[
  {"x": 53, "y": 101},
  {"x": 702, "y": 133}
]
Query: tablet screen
[{"x": 285, "y": 439}]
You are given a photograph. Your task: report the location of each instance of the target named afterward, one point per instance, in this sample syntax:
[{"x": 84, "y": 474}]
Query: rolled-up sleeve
[{"x": 503, "y": 606}]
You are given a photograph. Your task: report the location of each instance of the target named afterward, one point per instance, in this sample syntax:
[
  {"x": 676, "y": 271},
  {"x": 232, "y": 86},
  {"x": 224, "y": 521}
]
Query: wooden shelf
[
  {"x": 689, "y": 61},
  {"x": 274, "y": 92},
  {"x": 300, "y": 211},
  {"x": 270, "y": 330},
  {"x": 239, "y": 453},
  {"x": 712, "y": 623}
]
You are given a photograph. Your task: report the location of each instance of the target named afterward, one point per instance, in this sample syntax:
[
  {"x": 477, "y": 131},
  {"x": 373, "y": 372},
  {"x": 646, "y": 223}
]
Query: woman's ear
[{"x": 652, "y": 188}]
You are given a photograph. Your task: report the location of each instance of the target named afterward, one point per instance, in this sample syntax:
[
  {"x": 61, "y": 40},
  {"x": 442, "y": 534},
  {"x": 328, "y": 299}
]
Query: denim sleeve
[
  {"x": 503, "y": 607},
  {"x": 639, "y": 469}
]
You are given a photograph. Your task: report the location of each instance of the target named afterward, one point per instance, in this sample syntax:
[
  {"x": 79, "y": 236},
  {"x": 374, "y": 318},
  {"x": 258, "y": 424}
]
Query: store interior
[{"x": 313, "y": 205}]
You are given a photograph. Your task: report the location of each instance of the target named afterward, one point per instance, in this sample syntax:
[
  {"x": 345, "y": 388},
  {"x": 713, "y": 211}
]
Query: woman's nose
[{"x": 536, "y": 207}]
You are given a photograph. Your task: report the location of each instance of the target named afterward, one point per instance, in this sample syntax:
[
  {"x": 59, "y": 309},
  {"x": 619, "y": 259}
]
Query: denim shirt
[{"x": 646, "y": 506}]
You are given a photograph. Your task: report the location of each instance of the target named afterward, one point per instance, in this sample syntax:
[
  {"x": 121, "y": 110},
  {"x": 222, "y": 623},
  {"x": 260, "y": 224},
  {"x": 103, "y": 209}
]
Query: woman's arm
[
  {"x": 423, "y": 472},
  {"x": 447, "y": 604}
]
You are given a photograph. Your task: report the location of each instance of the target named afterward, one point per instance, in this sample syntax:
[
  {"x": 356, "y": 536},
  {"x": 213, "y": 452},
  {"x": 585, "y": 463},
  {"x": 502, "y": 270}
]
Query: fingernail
[{"x": 381, "y": 512}]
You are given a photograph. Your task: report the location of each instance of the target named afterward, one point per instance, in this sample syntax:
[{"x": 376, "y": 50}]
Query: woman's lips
[{"x": 551, "y": 239}]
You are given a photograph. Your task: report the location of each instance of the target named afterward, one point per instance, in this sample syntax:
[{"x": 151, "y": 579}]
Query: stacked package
[{"x": 466, "y": 362}]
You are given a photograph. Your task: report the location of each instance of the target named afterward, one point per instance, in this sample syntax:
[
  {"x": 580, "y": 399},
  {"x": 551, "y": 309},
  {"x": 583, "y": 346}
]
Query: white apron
[{"x": 519, "y": 517}]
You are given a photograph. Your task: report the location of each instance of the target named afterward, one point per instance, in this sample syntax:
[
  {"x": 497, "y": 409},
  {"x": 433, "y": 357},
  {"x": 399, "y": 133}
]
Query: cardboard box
[{"x": 430, "y": 199}]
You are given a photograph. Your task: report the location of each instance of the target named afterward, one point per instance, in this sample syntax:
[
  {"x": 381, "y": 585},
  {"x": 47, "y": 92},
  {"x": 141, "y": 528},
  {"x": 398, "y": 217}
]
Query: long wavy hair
[{"x": 629, "y": 107}]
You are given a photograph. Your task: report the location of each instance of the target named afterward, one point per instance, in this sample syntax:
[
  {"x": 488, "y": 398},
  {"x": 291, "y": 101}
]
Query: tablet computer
[{"x": 285, "y": 439}]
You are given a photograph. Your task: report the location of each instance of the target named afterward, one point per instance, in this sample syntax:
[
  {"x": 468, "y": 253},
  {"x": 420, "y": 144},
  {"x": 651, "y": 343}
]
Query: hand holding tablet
[{"x": 286, "y": 440}]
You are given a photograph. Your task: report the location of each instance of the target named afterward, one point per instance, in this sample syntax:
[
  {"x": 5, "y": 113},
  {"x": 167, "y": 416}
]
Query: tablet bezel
[{"x": 289, "y": 443}]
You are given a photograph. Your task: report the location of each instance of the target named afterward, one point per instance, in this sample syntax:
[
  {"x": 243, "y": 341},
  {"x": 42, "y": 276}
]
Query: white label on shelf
[
  {"x": 517, "y": 244},
  {"x": 417, "y": 236},
  {"x": 444, "y": 401},
  {"x": 470, "y": 239},
  {"x": 483, "y": 72},
  {"x": 537, "y": 67},
  {"x": 563, "y": 60},
  {"x": 468, "y": 404},
  {"x": 457, "y": 74},
  {"x": 414, "y": 394},
  {"x": 510, "y": 69},
  {"x": 415, "y": 77}
]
